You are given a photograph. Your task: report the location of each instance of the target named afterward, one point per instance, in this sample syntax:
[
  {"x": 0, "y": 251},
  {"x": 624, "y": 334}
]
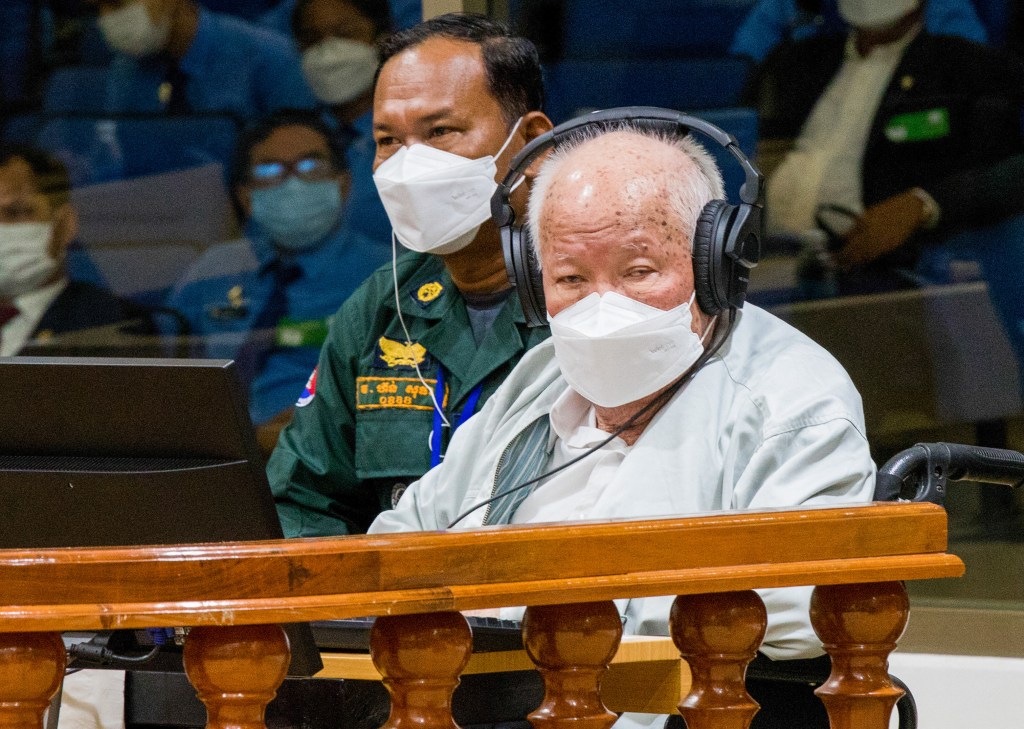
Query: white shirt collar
[
  {"x": 574, "y": 422},
  {"x": 40, "y": 299},
  {"x": 32, "y": 306}
]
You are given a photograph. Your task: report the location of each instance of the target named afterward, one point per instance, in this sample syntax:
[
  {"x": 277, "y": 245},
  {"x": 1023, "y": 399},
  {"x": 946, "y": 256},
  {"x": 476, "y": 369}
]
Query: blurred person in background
[
  {"x": 897, "y": 132},
  {"x": 176, "y": 56},
  {"x": 265, "y": 300},
  {"x": 771, "y": 23},
  {"x": 338, "y": 40},
  {"x": 38, "y": 303}
]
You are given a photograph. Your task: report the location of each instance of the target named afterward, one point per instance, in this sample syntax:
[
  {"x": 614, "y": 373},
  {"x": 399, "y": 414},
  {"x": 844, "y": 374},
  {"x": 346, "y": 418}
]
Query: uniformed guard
[{"x": 421, "y": 346}]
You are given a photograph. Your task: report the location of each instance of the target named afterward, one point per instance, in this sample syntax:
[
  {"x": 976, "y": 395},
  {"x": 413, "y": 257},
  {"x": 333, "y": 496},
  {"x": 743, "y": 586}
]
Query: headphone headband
[
  {"x": 751, "y": 191},
  {"x": 726, "y": 241}
]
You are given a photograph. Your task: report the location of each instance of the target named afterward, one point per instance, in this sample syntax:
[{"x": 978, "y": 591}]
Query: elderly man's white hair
[{"x": 686, "y": 198}]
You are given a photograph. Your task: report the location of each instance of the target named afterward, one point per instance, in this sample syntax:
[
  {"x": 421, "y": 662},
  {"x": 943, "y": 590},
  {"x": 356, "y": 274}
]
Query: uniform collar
[
  {"x": 314, "y": 262},
  {"x": 427, "y": 291},
  {"x": 441, "y": 323}
]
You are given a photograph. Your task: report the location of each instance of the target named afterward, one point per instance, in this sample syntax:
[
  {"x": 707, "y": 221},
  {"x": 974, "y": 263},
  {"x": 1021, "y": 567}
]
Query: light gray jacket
[{"x": 771, "y": 420}]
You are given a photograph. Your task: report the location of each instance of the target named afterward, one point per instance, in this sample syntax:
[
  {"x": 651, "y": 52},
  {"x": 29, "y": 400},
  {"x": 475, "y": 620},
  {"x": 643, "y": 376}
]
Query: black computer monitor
[
  {"x": 118, "y": 452},
  {"x": 107, "y": 452}
]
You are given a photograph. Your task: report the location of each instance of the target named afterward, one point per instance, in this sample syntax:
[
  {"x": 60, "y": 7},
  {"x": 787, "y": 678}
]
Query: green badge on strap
[
  {"x": 310, "y": 333},
  {"x": 918, "y": 126}
]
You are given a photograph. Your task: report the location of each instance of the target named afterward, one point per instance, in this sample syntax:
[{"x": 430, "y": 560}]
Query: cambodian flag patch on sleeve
[{"x": 308, "y": 392}]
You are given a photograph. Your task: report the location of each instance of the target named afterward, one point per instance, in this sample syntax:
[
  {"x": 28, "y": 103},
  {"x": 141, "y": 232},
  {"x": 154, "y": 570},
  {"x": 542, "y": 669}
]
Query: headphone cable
[{"x": 658, "y": 401}]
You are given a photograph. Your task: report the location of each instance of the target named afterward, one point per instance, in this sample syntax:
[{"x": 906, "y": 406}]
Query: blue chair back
[
  {"x": 102, "y": 148},
  {"x": 575, "y": 86},
  {"x": 601, "y": 29}
]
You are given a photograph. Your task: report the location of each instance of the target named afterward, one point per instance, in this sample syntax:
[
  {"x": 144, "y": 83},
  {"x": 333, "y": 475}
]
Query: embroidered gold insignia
[
  {"x": 235, "y": 296},
  {"x": 429, "y": 292},
  {"x": 396, "y": 354}
]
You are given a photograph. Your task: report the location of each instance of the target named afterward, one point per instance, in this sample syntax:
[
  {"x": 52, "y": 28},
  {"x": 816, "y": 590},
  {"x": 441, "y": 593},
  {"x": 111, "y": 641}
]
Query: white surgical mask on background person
[
  {"x": 339, "y": 69},
  {"x": 25, "y": 261},
  {"x": 130, "y": 30},
  {"x": 437, "y": 201},
  {"x": 614, "y": 350},
  {"x": 874, "y": 14}
]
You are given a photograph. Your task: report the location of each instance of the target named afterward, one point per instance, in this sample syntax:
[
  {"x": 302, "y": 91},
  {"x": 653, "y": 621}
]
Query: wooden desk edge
[
  {"x": 646, "y": 674},
  {"x": 632, "y": 649}
]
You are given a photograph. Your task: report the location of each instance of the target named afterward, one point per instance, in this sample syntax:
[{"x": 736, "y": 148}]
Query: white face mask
[
  {"x": 437, "y": 201},
  {"x": 614, "y": 350},
  {"x": 130, "y": 30},
  {"x": 874, "y": 14},
  {"x": 25, "y": 262},
  {"x": 339, "y": 69}
]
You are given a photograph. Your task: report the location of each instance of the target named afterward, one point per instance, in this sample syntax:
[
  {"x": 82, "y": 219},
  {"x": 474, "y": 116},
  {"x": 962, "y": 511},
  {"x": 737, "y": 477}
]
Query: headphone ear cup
[
  {"x": 524, "y": 273},
  {"x": 707, "y": 257}
]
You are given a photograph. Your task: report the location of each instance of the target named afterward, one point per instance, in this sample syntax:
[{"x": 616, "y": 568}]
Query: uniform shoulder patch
[
  {"x": 308, "y": 392},
  {"x": 399, "y": 354},
  {"x": 429, "y": 291}
]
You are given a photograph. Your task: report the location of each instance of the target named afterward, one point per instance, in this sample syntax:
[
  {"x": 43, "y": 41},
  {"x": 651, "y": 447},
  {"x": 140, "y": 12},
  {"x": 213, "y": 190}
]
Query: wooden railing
[{"x": 234, "y": 595}]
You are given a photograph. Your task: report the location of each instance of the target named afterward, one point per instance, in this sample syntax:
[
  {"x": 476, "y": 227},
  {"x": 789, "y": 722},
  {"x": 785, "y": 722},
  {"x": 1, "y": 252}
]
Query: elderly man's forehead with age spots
[{"x": 621, "y": 179}]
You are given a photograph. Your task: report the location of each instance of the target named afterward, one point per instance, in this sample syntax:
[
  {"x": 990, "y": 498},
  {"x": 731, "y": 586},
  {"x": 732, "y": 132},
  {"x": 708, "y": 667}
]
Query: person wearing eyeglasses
[{"x": 264, "y": 301}]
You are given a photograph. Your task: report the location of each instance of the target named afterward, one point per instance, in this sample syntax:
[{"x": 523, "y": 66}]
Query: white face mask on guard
[
  {"x": 339, "y": 69},
  {"x": 437, "y": 201},
  {"x": 130, "y": 30},
  {"x": 614, "y": 350},
  {"x": 25, "y": 262}
]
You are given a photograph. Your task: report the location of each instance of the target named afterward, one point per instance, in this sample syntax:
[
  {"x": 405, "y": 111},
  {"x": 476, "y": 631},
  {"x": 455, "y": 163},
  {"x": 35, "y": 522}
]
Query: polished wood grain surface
[
  {"x": 572, "y": 646},
  {"x": 421, "y": 658},
  {"x": 236, "y": 671},
  {"x": 310, "y": 579},
  {"x": 718, "y": 635},
  {"x": 859, "y": 626},
  {"x": 31, "y": 669},
  {"x": 566, "y": 575}
]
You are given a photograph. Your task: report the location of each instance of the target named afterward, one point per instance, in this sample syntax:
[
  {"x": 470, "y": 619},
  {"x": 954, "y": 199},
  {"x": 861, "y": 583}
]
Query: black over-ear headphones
[{"x": 726, "y": 244}]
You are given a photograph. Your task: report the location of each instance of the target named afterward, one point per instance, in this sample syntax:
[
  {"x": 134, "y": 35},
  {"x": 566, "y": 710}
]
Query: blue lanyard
[{"x": 467, "y": 411}]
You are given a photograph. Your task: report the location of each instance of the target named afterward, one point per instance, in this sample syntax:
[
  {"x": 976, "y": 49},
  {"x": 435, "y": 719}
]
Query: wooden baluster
[
  {"x": 420, "y": 658},
  {"x": 31, "y": 669},
  {"x": 859, "y": 626},
  {"x": 718, "y": 635},
  {"x": 236, "y": 671},
  {"x": 572, "y": 646}
]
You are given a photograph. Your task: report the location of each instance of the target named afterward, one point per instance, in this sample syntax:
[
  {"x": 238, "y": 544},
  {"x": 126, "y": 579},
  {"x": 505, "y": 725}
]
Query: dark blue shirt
[{"x": 230, "y": 285}]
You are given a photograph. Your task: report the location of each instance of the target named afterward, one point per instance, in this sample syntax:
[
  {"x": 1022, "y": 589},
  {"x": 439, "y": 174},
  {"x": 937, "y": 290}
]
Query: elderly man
[
  {"x": 769, "y": 419},
  {"x": 425, "y": 342}
]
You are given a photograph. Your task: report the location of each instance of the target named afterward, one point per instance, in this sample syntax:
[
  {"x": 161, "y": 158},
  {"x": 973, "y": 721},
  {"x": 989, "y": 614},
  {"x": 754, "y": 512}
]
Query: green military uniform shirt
[{"x": 361, "y": 428}]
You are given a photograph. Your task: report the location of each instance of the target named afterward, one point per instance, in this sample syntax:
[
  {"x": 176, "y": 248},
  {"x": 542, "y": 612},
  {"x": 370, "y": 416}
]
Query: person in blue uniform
[
  {"x": 771, "y": 22},
  {"x": 264, "y": 301},
  {"x": 339, "y": 58},
  {"x": 176, "y": 56}
]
